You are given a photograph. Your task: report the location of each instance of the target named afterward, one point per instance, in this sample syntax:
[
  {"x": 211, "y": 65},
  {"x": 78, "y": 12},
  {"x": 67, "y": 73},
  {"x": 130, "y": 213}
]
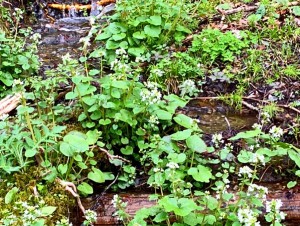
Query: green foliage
[
  {"x": 139, "y": 26},
  {"x": 213, "y": 45}
]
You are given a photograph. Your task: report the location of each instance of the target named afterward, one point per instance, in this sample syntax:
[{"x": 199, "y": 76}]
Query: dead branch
[
  {"x": 279, "y": 105},
  {"x": 9, "y": 103},
  {"x": 237, "y": 10},
  {"x": 250, "y": 106}
]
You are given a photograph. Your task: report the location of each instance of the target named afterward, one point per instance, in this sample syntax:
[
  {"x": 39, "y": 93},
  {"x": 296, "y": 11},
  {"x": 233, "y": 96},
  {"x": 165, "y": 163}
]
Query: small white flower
[
  {"x": 276, "y": 131},
  {"x": 245, "y": 170},
  {"x": 173, "y": 165},
  {"x": 257, "y": 126},
  {"x": 257, "y": 158},
  {"x": 121, "y": 52}
]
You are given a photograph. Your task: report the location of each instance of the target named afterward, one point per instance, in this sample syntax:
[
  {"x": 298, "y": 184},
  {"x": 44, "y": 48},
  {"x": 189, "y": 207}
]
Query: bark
[{"x": 105, "y": 210}]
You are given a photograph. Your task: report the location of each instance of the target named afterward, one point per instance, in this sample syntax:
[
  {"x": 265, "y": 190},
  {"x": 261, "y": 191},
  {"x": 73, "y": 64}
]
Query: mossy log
[{"x": 289, "y": 198}]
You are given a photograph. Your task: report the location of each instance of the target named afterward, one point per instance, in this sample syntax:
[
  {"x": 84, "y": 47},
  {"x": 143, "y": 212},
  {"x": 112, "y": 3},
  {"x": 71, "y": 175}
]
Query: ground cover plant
[{"x": 115, "y": 114}]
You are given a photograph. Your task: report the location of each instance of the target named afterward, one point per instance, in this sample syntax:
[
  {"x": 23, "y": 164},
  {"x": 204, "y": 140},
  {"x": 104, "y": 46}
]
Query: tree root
[
  {"x": 110, "y": 156},
  {"x": 70, "y": 187}
]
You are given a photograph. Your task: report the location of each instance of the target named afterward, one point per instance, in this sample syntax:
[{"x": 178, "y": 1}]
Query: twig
[
  {"x": 110, "y": 156},
  {"x": 70, "y": 187},
  {"x": 239, "y": 9},
  {"x": 250, "y": 106},
  {"x": 279, "y": 105}
]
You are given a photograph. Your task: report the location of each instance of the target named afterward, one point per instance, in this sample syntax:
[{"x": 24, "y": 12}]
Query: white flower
[
  {"x": 153, "y": 120},
  {"x": 121, "y": 52},
  {"x": 257, "y": 126},
  {"x": 247, "y": 216},
  {"x": 257, "y": 158},
  {"x": 276, "y": 131},
  {"x": 173, "y": 165},
  {"x": 157, "y": 72},
  {"x": 245, "y": 170},
  {"x": 257, "y": 191}
]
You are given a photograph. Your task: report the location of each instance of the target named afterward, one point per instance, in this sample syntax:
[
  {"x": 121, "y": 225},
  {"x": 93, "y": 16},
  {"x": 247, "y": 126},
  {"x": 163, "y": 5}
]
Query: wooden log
[
  {"x": 290, "y": 206},
  {"x": 9, "y": 103}
]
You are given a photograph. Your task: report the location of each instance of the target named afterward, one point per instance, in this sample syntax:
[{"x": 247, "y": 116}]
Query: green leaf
[
  {"x": 155, "y": 20},
  {"x": 152, "y": 31},
  {"x": 184, "y": 121},
  {"x": 85, "y": 188},
  {"x": 118, "y": 37},
  {"x": 136, "y": 51},
  {"x": 9, "y": 197},
  {"x": 62, "y": 168},
  {"x": 92, "y": 136},
  {"x": 94, "y": 72},
  {"x": 39, "y": 222},
  {"x": 181, "y": 135},
  {"x": 163, "y": 115},
  {"x": 47, "y": 210},
  {"x": 139, "y": 35},
  {"x": 201, "y": 173},
  {"x": 97, "y": 175},
  {"x": 30, "y": 152},
  {"x": 110, "y": 44},
  {"x": 77, "y": 140},
  {"x": 294, "y": 156},
  {"x": 246, "y": 135},
  {"x": 291, "y": 184},
  {"x": 128, "y": 150},
  {"x": 104, "y": 122},
  {"x": 104, "y": 35},
  {"x": 296, "y": 10},
  {"x": 195, "y": 143},
  {"x": 162, "y": 216}
]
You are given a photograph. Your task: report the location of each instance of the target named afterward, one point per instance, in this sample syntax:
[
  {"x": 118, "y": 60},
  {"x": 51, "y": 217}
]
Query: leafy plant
[
  {"x": 140, "y": 26},
  {"x": 213, "y": 45}
]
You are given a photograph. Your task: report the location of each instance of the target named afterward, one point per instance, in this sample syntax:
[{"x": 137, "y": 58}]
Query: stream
[{"x": 63, "y": 36}]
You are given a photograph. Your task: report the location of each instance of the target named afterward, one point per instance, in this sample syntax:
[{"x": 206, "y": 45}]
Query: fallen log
[
  {"x": 105, "y": 212},
  {"x": 9, "y": 103}
]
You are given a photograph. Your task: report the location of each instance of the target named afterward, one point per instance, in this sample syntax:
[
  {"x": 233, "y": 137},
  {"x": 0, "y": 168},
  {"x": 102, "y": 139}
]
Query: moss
[{"x": 29, "y": 184}]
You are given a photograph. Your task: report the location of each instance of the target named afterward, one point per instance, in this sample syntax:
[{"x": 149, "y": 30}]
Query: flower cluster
[
  {"x": 257, "y": 158},
  {"x": 90, "y": 217},
  {"x": 153, "y": 120},
  {"x": 265, "y": 117},
  {"x": 189, "y": 88},
  {"x": 247, "y": 217},
  {"x": 246, "y": 170},
  {"x": 120, "y": 207},
  {"x": 276, "y": 132},
  {"x": 217, "y": 139},
  {"x": 273, "y": 210},
  {"x": 63, "y": 222},
  {"x": 151, "y": 94},
  {"x": 172, "y": 165},
  {"x": 257, "y": 191}
]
